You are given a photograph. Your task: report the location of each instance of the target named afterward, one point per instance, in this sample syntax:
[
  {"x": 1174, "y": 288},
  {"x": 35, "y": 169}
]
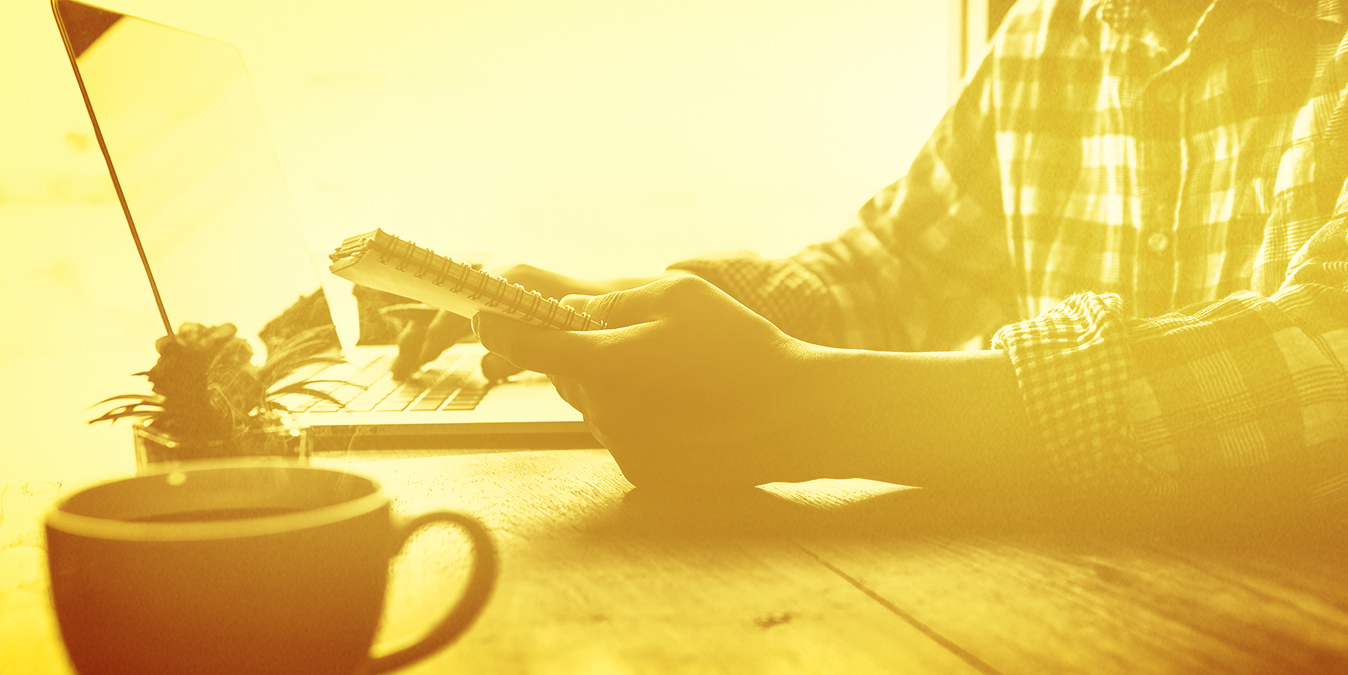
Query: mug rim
[{"x": 96, "y": 527}]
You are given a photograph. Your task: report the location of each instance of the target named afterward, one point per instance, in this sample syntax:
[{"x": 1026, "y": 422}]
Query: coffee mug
[{"x": 239, "y": 569}]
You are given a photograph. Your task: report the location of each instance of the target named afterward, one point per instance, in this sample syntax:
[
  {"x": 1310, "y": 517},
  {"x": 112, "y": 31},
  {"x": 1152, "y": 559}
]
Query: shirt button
[
  {"x": 1167, "y": 94},
  {"x": 1158, "y": 242}
]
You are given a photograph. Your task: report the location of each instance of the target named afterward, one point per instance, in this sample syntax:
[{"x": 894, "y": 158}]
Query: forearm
[{"x": 946, "y": 419}]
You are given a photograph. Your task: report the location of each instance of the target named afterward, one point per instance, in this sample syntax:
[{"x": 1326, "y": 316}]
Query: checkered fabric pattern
[{"x": 1153, "y": 219}]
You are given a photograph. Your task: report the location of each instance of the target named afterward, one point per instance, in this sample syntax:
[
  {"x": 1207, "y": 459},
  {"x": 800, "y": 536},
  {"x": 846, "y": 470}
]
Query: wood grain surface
[{"x": 821, "y": 577}]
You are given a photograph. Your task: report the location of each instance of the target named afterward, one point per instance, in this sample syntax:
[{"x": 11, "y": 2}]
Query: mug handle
[{"x": 480, "y": 583}]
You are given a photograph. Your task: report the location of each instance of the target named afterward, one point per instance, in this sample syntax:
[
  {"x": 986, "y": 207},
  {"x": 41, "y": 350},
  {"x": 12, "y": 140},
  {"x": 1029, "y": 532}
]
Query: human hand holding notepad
[
  {"x": 382, "y": 261},
  {"x": 426, "y": 334},
  {"x": 423, "y": 338},
  {"x": 687, "y": 388}
]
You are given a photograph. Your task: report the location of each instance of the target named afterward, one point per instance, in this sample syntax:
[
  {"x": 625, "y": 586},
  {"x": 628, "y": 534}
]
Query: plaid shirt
[{"x": 1155, "y": 224}]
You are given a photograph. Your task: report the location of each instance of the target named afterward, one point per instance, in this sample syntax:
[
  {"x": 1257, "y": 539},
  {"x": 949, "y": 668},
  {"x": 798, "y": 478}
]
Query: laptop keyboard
[{"x": 448, "y": 384}]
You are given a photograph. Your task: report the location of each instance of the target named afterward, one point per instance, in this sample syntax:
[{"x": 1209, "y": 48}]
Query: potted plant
[{"x": 208, "y": 400}]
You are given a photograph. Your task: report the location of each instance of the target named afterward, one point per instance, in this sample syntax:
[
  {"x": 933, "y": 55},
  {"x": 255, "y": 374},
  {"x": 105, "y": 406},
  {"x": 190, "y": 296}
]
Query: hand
[
  {"x": 691, "y": 389},
  {"x": 688, "y": 388},
  {"x": 428, "y": 333}
]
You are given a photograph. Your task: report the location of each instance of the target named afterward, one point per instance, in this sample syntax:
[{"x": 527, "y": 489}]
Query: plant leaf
[
  {"x": 139, "y": 398},
  {"x": 303, "y": 388},
  {"x": 306, "y": 348},
  {"x": 146, "y": 408}
]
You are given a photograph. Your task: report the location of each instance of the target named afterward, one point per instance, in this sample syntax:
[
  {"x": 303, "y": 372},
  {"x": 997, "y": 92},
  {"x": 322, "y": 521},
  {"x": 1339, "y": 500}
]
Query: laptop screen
[{"x": 186, "y": 142}]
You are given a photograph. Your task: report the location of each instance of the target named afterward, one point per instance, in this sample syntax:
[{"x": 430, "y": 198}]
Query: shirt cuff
[{"x": 1073, "y": 366}]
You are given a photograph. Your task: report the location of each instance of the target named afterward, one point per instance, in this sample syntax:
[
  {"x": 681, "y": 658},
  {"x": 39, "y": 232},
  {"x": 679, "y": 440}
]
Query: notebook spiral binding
[{"x": 475, "y": 284}]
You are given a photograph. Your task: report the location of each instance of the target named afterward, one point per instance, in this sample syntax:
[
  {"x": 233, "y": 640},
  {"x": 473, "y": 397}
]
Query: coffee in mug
[{"x": 239, "y": 569}]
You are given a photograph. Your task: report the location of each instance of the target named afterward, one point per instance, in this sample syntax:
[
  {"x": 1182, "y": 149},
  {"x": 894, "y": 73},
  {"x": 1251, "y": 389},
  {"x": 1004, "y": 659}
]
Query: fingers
[
  {"x": 410, "y": 341},
  {"x": 495, "y": 367},
  {"x": 543, "y": 350},
  {"x": 571, "y": 391},
  {"x": 445, "y": 330},
  {"x": 402, "y": 313},
  {"x": 421, "y": 342}
]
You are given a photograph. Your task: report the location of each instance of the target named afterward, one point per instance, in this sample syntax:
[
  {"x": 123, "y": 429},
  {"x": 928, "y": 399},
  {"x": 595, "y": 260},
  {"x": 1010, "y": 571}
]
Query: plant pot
[{"x": 282, "y": 440}]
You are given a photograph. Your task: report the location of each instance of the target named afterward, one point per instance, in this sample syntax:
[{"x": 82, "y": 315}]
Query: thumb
[
  {"x": 542, "y": 350},
  {"x": 622, "y": 308}
]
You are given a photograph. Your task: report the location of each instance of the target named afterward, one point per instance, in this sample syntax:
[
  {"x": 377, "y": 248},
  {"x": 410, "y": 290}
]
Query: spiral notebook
[
  {"x": 208, "y": 209},
  {"x": 385, "y": 262}
]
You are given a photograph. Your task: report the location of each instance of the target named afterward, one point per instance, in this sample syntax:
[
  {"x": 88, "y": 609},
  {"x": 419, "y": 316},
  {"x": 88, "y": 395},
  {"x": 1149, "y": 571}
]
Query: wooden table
[{"x": 826, "y": 577}]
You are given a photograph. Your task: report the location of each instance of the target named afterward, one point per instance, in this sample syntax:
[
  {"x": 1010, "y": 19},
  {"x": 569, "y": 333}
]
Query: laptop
[{"x": 209, "y": 212}]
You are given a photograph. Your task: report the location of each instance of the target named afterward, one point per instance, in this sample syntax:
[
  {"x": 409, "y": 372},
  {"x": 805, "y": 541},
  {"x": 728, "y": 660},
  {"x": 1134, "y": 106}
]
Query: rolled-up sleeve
[
  {"x": 1247, "y": 389},
  {"x": 1251, "y": 386}
]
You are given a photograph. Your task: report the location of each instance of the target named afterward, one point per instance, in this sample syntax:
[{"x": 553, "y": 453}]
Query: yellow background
[{"x": 594, "y": 137}]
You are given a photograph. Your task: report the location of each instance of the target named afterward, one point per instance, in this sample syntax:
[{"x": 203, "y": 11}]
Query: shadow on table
[
  {"x": 1234, "y": 579},
  {"x": 1217, "y": 519}
]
